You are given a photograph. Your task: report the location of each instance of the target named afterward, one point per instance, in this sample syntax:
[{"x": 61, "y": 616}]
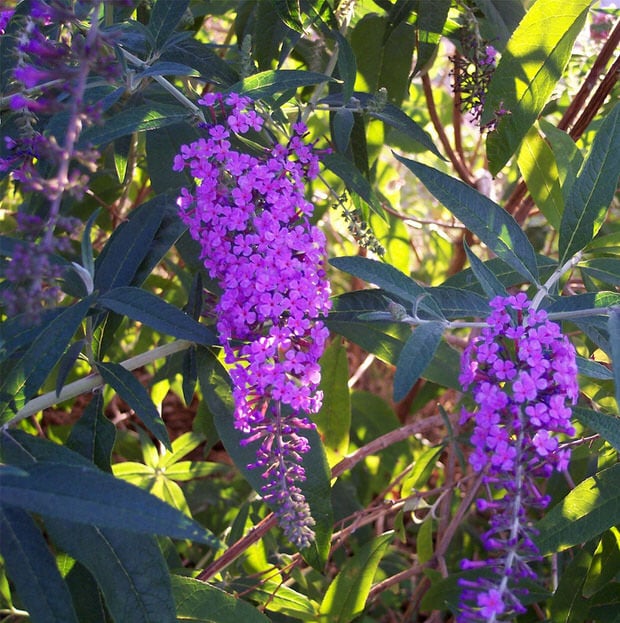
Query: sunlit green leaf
[
  {"x": 346, "y": 595},
  {"x": 590, "y": 509},
  {"x": 530, "y": 66}
]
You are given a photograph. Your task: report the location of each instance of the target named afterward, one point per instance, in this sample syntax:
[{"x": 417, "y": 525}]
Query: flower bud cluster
[
  {"x": 56, "y": 51},
  {"x": 250, "y": 215},
  {"x": 522, "y": 374}
]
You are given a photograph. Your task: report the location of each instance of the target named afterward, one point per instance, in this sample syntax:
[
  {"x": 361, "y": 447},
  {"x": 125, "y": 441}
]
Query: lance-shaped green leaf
[
  {"x": 493, "y": 225},
  {"x": 346, "y": 596},
  {"x": 391, "y": 280},
  {"x": 216, "y": 388},
  {"x": 614, "y": 343},
  {"x": 91, "y": 497},
  {"x": 135, "y": 119},
  {"x": 199, "y": 602},
  {"x": 429, "y": 25},
  {"x": 334, "y": 418},
  {"x": 156, "y": 313},
  {"x": 593, "y": 190},
  {"x": 491, "y": 285},
  {"x": 539, "y": 170},
  {"x": 165, "y": 17},
  {"x": 127, "y": 386},
  {"x": 590, "y": 509},
  {"x": 28, "y": 372},
  {"x": 416, "y": 354},
  {"x": 608, "y": 426},
  {"x": 531, "y": 65},
  {"x": 32, "y": 569},
  {"x": 267, "y": 83},
  {"x": 130, "y": 569}
]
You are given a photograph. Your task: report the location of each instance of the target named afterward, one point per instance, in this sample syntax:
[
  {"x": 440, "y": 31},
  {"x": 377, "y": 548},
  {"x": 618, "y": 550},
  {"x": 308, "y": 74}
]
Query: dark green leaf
[
  {"x": 593, "y": 190},
  {"x": 66, "y": 364},
  {"x": 201, "y": 603},
  {"x": 129, "y": 568},
  {"x": 139, "y": 118},
  {"x": 608, "y": 426},
  {"x": 87, "y": 598},
  {"x": 501, "y": 17},
  {"x": 459, "y": 303},
  {"x": 583, "y": 302},
  {"x": 614, "y": 342},
  {"x": 190, "y": 374},
  {"x": 593, "y": 369},
  {"x": 201, "y": 57},
  {"x": 93, "y": 434},
  {"x": 415, "y": 356},
  {"x": 347, "y": 65},
  {"x": 167, "y": 68},
  {"x": 568, "y": 604},
  {"x": 605, "y": 269},
  {"x": 88, "y": 261},
  {"x": 165, "y": 17},
  {"x": 29, "y": 371},
  {"x": 530, "y": 66},
  {"x": 18, "y": 332},
  {"x": 216, "y": 390},
  {"x": 127, "y": 386},
  {"x": 88, "y": 496},
  {"x": 156, "y": 313},
  {"x": 590, "y": 509},
  {"x": 32, "y": 569},
  {"x": 353, "y": 179},
  {"x": 493, "y": 225},
  {"x": 389, "y": 279},
  {"x": 268, "y": 83},
  {"x": 491, "y": 285},
  {"x": 432, "y": 16},
  {"x": 342, "y": 124},
  {"x": 345, "y": 598},
  {"x": 127, "y": 247}
]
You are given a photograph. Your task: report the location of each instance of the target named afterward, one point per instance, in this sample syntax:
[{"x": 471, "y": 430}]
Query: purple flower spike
[
  {"x": 522, "y": 374},
  {"x": 250, "y": 215}
]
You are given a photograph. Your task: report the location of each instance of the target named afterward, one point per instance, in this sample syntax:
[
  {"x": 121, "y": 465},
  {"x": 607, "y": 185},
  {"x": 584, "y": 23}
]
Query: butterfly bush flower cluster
[
  {"x": 249, "y": 213},
  {"x": 55, "y": 53},
  {"x": 522, "y": 374}
]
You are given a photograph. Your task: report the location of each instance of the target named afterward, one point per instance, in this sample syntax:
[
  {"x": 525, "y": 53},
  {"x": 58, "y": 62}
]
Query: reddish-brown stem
[
  {"x": 269, "y": 522},
  {"x": 459, "y": 167}
]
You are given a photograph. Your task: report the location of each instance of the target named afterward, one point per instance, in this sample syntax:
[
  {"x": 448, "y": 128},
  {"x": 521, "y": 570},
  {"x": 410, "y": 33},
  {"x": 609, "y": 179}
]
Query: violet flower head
[
  {"x": 251, "y": 217},
  {"x": 522, "y": 374}
]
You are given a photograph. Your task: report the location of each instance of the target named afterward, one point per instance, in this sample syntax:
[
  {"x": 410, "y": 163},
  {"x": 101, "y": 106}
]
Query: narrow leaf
[
  {"x": 493, "y": 225},
  {"x": 334, "y": 418},
  {"x": 593, "y": 190},
  {"x": 156, "y": 313},
  {"x": 415, "y": 356},
  {"x": 88, "y": 261},
  {"x": 268, "y": 83},
  {"x": 429, "y": 25},
  {"x": 32, "y": 569},
  {"x": 614, "y": 342},
  {"x": 66, "y": 364},
  {"x": 135, "y": 119},
  {"x": 390, "y": 279},
  {"x": 127, "y": 386},
  {"x": 539, "y": 170},
  {"x": 126, "y": 248},
  {"x": 199, "y": 602},
  {"x": 587, "y": 511},
  {"x": 608, "y": 426},
  {"x": 93, "y": 435},
  {"x": 530, "y": 66},
  {"x": 129, "y": 568},
  {"x": 28, "y": 372},
  {"x": 346, "y": 595},
  {"x": 491, "y": 285},
  {"x": 88, "y": 496},
  {"x": 567, "y": 155}
]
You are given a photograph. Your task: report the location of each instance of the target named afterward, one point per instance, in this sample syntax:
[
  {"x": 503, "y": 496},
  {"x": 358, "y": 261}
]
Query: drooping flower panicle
[
  {"x": 522, "y": 374},
  {"x": 251, "y": 217}
]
